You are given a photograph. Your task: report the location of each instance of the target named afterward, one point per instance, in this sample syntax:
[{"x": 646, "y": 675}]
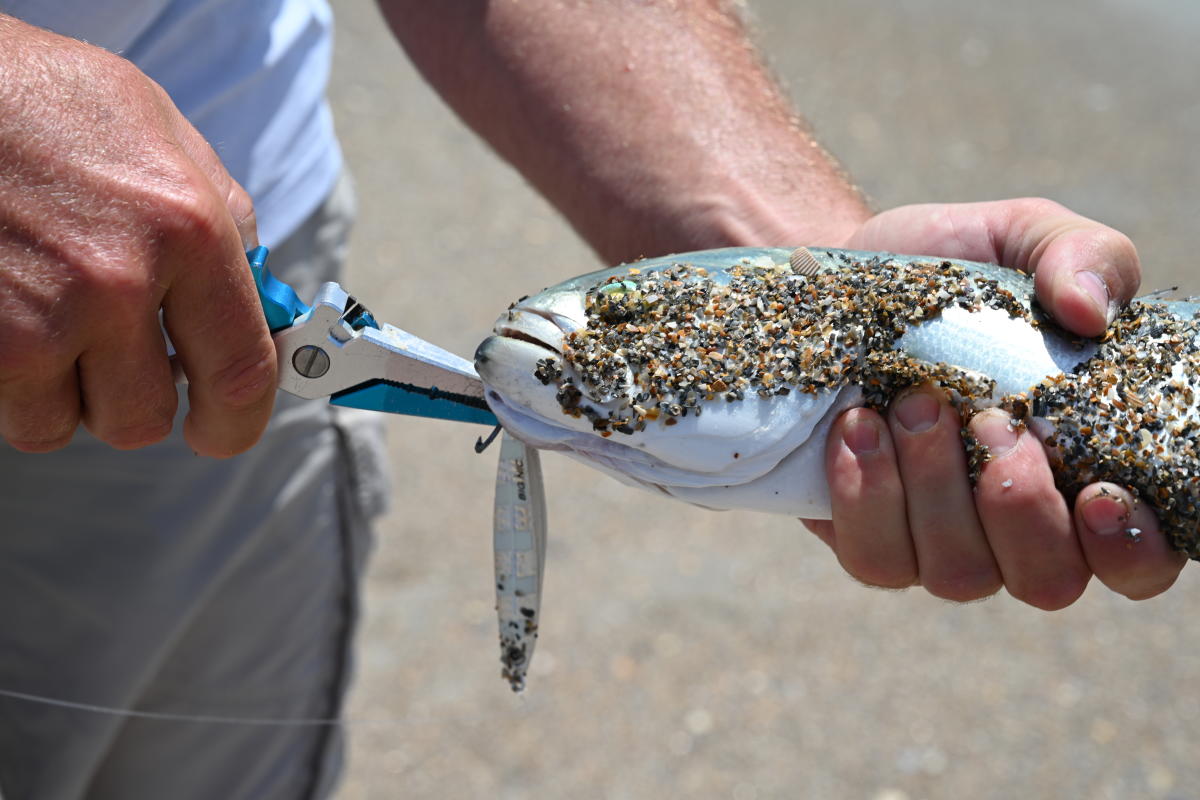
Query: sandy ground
[{"x": 687, "y": 653}]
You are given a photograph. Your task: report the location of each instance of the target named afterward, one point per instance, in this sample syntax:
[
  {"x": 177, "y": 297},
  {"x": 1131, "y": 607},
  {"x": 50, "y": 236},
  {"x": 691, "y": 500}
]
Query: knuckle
[
  {"x": 245, "y": 381},
  {"x": 1037, "y": 207},
  {"x": 27, "y": 351},
  {"x": 238, "y": 201},
  {"x": 124, "y": 288},
  {"x": 1123, "y": 258},
  {"x": 187, "y": 213},
  {"x": 35, "y": 339},
  {"x": 1114, "y": 242}
]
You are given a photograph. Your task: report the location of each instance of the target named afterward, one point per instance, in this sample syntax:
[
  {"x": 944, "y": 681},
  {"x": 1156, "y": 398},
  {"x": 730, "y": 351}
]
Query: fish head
[{"x": 545, "y": 386}]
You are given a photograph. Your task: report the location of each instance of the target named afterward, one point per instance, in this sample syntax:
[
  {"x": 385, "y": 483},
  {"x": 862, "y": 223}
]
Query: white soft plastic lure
[{"x": 714, "y": 376}]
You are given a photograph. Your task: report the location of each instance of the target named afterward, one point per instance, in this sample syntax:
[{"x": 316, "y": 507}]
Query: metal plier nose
[{"x": 335, "y": 348}]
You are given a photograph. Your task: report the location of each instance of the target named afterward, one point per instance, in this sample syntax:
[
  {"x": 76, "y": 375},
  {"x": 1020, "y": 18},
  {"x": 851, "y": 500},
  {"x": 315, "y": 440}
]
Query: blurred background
[{"x": 686, "y": 653}]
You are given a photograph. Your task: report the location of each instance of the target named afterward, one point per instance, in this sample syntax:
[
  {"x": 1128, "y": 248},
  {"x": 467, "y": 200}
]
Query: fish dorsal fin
[{"x": 804, "y": 262}]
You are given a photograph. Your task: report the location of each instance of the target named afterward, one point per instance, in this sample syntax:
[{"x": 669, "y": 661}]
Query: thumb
[{"x": 1083, "y": 270}]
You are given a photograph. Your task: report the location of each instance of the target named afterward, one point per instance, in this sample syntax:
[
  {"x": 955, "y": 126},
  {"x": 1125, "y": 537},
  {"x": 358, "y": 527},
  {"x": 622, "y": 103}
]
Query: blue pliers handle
[
  {"x": 335, "y": 348},
  {"x": 280, "y": 303}
]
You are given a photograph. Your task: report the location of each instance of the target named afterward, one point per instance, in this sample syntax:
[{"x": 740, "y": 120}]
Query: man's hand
[
  {"x": 903, "y": 510},
  {"x": 112, "y": 208}
]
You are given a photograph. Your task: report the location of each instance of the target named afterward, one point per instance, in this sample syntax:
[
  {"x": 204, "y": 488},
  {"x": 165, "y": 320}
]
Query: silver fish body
[{"x": 714, "y": 376}]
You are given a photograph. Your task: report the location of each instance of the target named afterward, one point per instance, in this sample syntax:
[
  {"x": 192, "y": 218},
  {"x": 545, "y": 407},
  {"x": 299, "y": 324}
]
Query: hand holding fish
[
  {"x": 717, "y": 377},
  {"x": 904, "y": 511}
]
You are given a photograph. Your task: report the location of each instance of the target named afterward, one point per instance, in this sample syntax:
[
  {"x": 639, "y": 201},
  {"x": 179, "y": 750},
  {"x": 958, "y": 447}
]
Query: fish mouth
[
  {"x": 533, "y": 326},
  {"x": 510, "y": 358},
  {"x": 536, "y": 325},
  {"x": 523, "y": 336},
  {"x": 562, "y": 321}
]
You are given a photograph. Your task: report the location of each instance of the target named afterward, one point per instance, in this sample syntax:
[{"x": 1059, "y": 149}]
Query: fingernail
[
  {"x": 861, "y": 435},
  {"x": 1095, "y": 288},
  {"x": 1105, "y": 514},
  {"x": 995, "y": 429},
  {"x": 917, "y": 411}
]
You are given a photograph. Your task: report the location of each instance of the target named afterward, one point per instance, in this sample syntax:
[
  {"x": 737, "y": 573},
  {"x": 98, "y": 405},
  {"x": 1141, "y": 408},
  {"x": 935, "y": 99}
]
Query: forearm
[{"x": 652, "y": 126}]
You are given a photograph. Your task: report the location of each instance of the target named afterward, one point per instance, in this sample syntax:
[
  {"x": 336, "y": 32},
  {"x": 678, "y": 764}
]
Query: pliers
[{"x": 335, "y": 348}]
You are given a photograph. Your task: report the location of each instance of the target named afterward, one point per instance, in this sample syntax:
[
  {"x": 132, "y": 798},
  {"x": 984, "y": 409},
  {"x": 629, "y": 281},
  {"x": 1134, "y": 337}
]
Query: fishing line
[{"x": 212, "y": 719}]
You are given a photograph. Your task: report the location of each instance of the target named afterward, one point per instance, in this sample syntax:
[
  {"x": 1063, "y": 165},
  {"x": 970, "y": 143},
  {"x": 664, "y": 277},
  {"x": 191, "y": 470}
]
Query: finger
[
  {"x": 241, "y": 209},
  {"x": 237, "y": 201},
  {"x": 238, "y": 204},
  {"x": 823, "y": 529},
  {"x": 40, "y": 414},
  {"x": 129, "y": 395},
  {"x": 1083, "y": 273},
  {"x": 213, "y": 315},
  {"x": 1123, "y": 544},
  {"x": 867, "y": 498},
  {"x": 1026, "y": 520},
  {"x": 1083, "y": 270},
  {"x": 953, "y": 556}
]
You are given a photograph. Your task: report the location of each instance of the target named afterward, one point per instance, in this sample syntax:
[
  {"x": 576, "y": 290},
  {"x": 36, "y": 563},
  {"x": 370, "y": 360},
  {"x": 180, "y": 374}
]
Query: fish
[{"x": 713, "y": 377}]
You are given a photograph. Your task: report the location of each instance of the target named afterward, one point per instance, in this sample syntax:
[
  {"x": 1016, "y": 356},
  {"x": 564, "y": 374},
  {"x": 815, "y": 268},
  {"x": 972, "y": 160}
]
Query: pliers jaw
[{"x": 337, "y": 349}]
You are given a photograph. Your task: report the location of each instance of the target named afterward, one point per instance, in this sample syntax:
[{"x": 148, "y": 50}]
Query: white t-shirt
[{"x": 249, "y": 74}]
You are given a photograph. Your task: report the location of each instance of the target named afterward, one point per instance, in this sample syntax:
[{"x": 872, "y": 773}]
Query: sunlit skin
[{"x": 904, "y": 510}]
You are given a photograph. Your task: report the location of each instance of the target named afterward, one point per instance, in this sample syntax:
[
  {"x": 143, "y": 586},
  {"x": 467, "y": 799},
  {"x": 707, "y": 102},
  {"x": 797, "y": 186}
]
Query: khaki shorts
[{"x": 159, "y": 581}]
